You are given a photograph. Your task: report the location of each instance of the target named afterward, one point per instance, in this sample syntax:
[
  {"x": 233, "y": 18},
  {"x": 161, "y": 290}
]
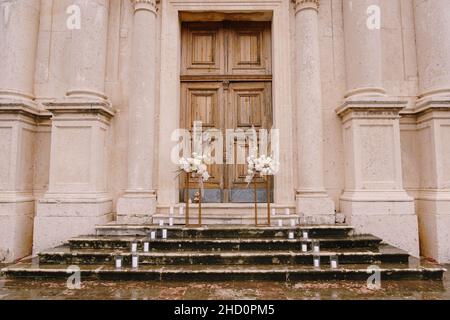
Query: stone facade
[{"x": 90, "y": 94}]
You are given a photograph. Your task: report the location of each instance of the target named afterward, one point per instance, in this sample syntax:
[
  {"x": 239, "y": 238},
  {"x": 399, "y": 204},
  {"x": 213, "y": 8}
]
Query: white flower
[
  {"x": 263, "y": 165},
  {"x": 196, "y": 165},
  {"x": 205, "y": 176}
]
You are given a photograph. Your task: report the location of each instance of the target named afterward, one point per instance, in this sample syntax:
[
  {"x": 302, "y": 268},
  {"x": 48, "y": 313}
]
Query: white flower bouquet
[
  {"x": 196, "y": 165},
  {"x": 265, "y": 166}
]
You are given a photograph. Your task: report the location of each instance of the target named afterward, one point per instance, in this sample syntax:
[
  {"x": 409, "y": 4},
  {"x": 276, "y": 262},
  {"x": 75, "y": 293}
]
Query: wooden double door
[{"x": 226, "y": 84}]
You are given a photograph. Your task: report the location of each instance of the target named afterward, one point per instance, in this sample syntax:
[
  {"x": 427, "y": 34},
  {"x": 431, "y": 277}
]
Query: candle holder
[
  {"x": 316, "y": 261},
  {"x": 118, "y": 261},
  {"x": 334, "y": 262},
  {"x": 135, "y": 261},
  {"x": 146, "y": 246},
  {"x": 304, "y": 246},
  {"x": 293, "y": 223},
  {"x": 291, "y": 235},
  {"x": 134, "y": 246},
  {"x": 315, "y": 246},
  {"x": 305, "y": 234}
]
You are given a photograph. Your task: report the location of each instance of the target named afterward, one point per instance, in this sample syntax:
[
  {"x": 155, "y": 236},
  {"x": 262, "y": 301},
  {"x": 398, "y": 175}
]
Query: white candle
[
  {"x": 164, "y": 234},
  {"x": 153, "y": 235},
  {"x": 146, "y": 246},
  {"x": 304, "y": 247},
  {"x": 316, "y": 248},
  {"x": 274, "y": 211},
  {"x": 292, "y": 222},
  {"x": 280, "y": 222},
  {"x": 170, "y": 221},
  {"x": 181, "y": 210},
  {"x": 134, "y": 247},
  {"x": 291, "y": 235},
  {"x": 305, "y": 234},
  {"x": 134, "y": 261},
  {"x": 316, "y": 262},
  {"x": 161, "y": 223},
  {"x": 118, "y": 262},
  {"x": 287, "y": 211},
  {"x": 333, "y": 264},
  {"x": 171, "y": 210}
]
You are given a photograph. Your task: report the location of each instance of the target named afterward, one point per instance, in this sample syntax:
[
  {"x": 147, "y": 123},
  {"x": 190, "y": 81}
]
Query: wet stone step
[
  {"x": 228, "y": 273},
  {"x": 225, "y": 244},
  {"x": 224, "y": 232},
  {"x": 65, "y": 255}
]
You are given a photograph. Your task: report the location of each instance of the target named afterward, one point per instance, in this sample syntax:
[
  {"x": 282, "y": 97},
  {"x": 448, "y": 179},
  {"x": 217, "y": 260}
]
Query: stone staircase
[{"x": 226, "y": 253}]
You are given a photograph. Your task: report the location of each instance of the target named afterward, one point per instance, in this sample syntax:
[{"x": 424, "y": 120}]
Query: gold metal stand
[
  {"x": 199, "y": 203},
  {"x": 256, "y": 202},
  {"x": 268, "y": 199},
  {"x": 187, "y": 203},
  {"x": 187, "y": 199}
]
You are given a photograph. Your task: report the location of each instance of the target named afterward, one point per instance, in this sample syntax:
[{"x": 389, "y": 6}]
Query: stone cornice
[
  {"x": 80, "y": 106},
  {"x": 306, "y": 4},
  {"x": 364, "y": 108},
  {"x": 148, "y": 5}
]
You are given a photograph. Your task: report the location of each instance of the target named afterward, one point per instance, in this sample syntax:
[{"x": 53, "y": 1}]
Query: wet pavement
[{"x": 13, "y": 289}]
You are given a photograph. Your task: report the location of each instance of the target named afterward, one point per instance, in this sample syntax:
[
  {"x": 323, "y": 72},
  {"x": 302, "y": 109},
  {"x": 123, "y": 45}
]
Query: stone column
[
  {"x": 19, "y": 25},
  {"x": 374, "y": 199},
  {"x": 139, "y": 200},
  {"x": 77, "y": 197},
  {"x": 432, "y": 22},
  {"x": 311, "y": 197}
]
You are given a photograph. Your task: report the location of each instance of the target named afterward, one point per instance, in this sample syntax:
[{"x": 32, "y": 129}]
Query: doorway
[{"x": 226, "y": 84}]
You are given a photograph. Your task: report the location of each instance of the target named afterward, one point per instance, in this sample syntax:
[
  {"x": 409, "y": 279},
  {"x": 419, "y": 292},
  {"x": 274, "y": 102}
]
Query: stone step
[
  {"x": 242, "y": 219},
  {"x": 65, "y": 255},
  {"x": 226, "y": 210},
  {"x": 411, "y": 271},
  {"x": 225, "y": 231},
  {"x": 220, "y": 244}
]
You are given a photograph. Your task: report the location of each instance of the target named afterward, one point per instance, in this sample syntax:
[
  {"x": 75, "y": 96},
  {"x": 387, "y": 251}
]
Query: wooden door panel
[
  {"x": 249, "y": 106},
  {"x": 204, "y": 101},
  {"x": 249, "y": 48},
  {"x": 202, "y": 49}
]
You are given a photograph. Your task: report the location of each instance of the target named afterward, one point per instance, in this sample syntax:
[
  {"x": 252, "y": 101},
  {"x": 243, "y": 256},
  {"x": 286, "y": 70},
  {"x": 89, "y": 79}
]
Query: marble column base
[
  {"x": 434, "y": 221},
  {"x": 136, "y": 207},
  {"x": 16, "y": 227},
  {"x": 389, "y": 215},
  {"x": 319, "y": 205},
  {"x": 58, "y": 220}
]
